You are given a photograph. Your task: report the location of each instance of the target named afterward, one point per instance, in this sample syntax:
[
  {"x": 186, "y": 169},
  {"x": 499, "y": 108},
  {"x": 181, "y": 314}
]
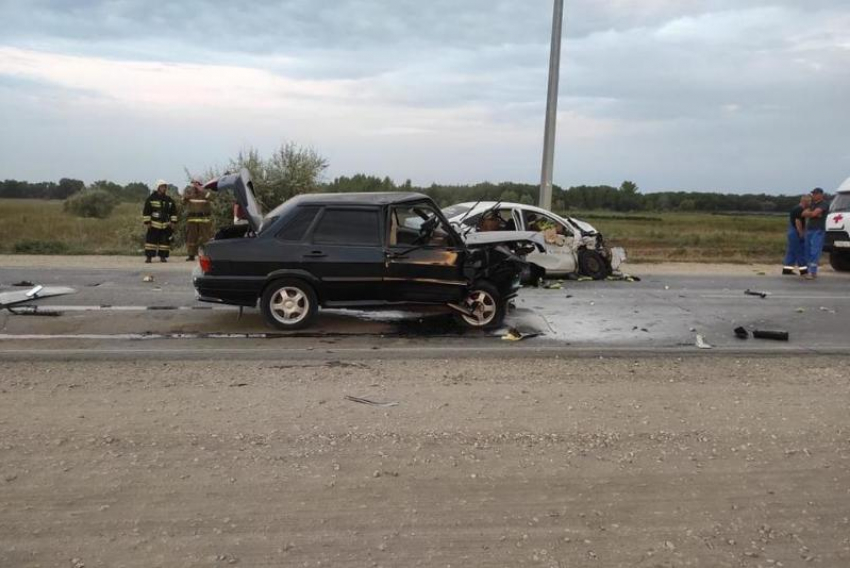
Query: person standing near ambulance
[
  {"x": 160, "y": 217},
  {"x": 196, "y": 202},
  {"x": 796, "y": 258},
  {"x": 815, "y": 217}
]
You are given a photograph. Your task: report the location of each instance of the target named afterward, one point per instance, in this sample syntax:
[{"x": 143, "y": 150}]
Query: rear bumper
[
  {"x": 233, "y": 290},
  {"x": 837, "y": 241}
]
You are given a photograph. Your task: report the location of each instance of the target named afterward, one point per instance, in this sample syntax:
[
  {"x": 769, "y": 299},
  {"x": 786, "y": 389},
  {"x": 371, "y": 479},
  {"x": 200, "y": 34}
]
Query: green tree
[
  {"x": 136, "y": 191},
  {"x": 68, "y": 187},
  {"x": 291, "y": 170},
  {"x": 92, "y": 203}
]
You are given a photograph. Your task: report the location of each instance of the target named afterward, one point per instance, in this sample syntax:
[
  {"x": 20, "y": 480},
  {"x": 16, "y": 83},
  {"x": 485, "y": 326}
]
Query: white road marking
[{"x": 108, "y": 308}]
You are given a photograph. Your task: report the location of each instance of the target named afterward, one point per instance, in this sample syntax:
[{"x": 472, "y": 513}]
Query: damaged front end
[{"x": 502, "y": 258}]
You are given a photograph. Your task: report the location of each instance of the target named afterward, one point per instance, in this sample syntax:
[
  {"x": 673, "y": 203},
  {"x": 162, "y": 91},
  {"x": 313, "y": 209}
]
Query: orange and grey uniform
[
  {"x": 199, "y": 226},
  {"x": 159, "y": 212}
]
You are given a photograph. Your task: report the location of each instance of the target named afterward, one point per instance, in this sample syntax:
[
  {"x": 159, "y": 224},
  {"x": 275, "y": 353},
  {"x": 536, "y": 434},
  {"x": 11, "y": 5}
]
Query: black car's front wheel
[
  {"x": 485, "y": 306},
  {"x": 289, "y": 304}
]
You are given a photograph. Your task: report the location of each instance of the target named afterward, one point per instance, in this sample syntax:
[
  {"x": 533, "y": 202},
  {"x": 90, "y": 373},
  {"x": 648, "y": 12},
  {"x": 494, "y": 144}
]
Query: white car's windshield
[
  {"x": 455, "y": 210},
  {"x": 841, "y": 203}
]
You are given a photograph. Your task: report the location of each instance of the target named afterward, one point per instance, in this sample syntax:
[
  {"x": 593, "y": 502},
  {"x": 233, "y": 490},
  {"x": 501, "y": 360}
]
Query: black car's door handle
[{"x": 315, "y": 254}]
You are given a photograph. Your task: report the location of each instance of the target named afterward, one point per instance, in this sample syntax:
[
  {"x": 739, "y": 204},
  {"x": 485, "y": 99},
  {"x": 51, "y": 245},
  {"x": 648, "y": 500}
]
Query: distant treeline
[
  {"x": 626, "y": 198},
  {"x": 66, "y": 187}
]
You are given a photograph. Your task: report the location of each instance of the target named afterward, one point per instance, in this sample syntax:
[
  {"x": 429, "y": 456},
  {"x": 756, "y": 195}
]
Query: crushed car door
[
  {"x": 424, "y": 256},
  {"x": 346, "y": 253},
  {"x": 560, "y": 256}
]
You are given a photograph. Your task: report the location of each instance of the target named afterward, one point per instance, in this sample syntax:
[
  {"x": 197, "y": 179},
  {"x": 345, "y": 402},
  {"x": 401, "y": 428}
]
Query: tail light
[{"x": 206, "y": 263}]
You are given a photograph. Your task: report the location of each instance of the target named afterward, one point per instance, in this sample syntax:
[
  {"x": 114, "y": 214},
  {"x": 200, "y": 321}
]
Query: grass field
[
  {"x": 693, "y": 237},
  {"x": 41, "y": 227}
]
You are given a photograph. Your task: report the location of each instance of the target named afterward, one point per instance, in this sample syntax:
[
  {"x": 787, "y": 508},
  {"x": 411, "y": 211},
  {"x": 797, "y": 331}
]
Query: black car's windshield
[{"x": 841, "y": 203}]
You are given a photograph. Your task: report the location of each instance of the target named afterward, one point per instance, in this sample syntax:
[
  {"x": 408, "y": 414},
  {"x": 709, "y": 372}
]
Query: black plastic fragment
[
  {"x": 742, "y": 333},
  {"x": 774, "y": 335},
  {"x": 758, "y": 293}
]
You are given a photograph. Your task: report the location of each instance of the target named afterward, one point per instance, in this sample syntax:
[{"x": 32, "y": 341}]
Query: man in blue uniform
[
  {"x": 815, "y": 217},
  {"x": 795, "y": 255}
]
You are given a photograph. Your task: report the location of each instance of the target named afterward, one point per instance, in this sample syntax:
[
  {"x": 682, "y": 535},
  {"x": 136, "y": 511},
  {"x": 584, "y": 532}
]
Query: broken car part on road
[
  {"x": 774, "y": 335},
  {"x": 9, "y": 300}
]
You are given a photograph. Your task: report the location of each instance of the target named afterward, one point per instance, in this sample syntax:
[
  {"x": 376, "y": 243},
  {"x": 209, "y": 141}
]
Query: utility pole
[{"x": 552, "y": 107}]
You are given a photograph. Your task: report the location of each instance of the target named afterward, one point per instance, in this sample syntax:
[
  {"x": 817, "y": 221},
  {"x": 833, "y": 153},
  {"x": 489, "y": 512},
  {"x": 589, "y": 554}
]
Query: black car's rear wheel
[
  {"x": 486, "y": 307},
  {"x": 289, "y": 304},
  {"x": 592, "y": 264}
]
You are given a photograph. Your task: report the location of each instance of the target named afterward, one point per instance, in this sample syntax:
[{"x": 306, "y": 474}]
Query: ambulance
[{"x": 837, "y": 242}]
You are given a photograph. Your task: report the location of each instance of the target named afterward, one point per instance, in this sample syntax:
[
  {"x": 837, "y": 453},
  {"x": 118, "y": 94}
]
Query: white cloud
[{"x": 657, "y": 90}]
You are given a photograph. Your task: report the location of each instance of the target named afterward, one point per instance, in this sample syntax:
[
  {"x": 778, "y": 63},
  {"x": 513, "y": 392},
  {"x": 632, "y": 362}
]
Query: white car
[
  {"x": 837, "y": 242},
  {"x": 573, "y": 247}
]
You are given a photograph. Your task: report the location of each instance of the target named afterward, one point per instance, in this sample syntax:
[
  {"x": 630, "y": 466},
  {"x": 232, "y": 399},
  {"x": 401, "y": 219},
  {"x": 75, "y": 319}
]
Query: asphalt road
[{"x": 662, "y": 312}]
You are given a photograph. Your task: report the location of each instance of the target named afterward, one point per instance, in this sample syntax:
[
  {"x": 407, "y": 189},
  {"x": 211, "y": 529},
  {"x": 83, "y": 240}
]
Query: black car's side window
[
  {"x": 418, "y": 225},
  {"x": 348, "y": 227},
  {"x": 296, "y": 226}
]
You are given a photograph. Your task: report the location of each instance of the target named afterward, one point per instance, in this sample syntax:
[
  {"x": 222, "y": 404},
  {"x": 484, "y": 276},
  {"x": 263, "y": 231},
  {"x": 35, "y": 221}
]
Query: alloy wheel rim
[
  {"x": 290, "y": 305},
  {"x": 483, "y": 307}
]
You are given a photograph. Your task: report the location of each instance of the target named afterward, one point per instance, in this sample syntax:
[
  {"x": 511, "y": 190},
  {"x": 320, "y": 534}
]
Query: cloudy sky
[{"x": 733, "y": 95}]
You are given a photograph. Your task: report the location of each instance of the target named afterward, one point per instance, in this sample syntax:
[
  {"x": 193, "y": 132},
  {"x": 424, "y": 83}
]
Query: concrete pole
[{"x": 552, "y": 108}]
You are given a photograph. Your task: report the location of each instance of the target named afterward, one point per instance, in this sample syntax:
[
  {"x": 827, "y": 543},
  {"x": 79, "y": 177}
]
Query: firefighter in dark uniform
[
  {"x": 160, "y": 217},
  {"x": 196, "y": 203}
]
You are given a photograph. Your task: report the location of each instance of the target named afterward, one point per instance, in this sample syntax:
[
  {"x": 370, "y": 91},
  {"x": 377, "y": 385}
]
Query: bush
[
  {"x": 40, "y": 247},
  {"x": 96, "y": 204}
]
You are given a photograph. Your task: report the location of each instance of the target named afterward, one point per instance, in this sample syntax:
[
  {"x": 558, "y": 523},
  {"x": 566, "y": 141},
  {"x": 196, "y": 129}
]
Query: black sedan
[{"x": 357, "y": 250}]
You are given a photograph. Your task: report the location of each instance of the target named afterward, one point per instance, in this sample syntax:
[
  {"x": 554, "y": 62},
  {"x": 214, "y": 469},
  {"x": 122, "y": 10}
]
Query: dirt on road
[{"x": 711, "y": 461}]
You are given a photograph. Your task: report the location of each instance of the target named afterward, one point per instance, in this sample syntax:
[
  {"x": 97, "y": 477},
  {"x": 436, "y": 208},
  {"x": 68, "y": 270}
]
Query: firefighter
[
  {"x": 160, "y": 217},
  {"x": 196, "y": 202}
]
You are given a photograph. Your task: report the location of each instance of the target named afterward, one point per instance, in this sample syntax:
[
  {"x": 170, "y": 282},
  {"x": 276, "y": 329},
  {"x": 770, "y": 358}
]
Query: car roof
[
  {"x": 377, "y": 198},
  {"x": 477, "y": 207}
]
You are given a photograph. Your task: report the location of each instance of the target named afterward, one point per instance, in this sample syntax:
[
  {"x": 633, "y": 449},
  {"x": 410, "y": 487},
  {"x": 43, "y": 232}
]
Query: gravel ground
[{"x": 593, "y": 462}]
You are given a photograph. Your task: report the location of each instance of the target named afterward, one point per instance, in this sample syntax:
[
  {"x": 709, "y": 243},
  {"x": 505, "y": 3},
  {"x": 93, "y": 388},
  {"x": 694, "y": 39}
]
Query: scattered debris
[
  {"x": 701, "y": 343},
  {"x": 828, "y": 310},
  {"x": 148, "y": 278},
  {"x": 622, "y": 277},
  {"x": 370, "y": 402},
  {"x": 514, "y": 334},
  {"x": 345, "y": 365},
  {"x": 742, "y": 333},
  {"x": 801, "y": 310},
  {"x": 758, "y": 293},
  {"x": 553, "y": 285},
  {"x": 774, "y": 335},
  {"x": 23, "y": 284}
]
